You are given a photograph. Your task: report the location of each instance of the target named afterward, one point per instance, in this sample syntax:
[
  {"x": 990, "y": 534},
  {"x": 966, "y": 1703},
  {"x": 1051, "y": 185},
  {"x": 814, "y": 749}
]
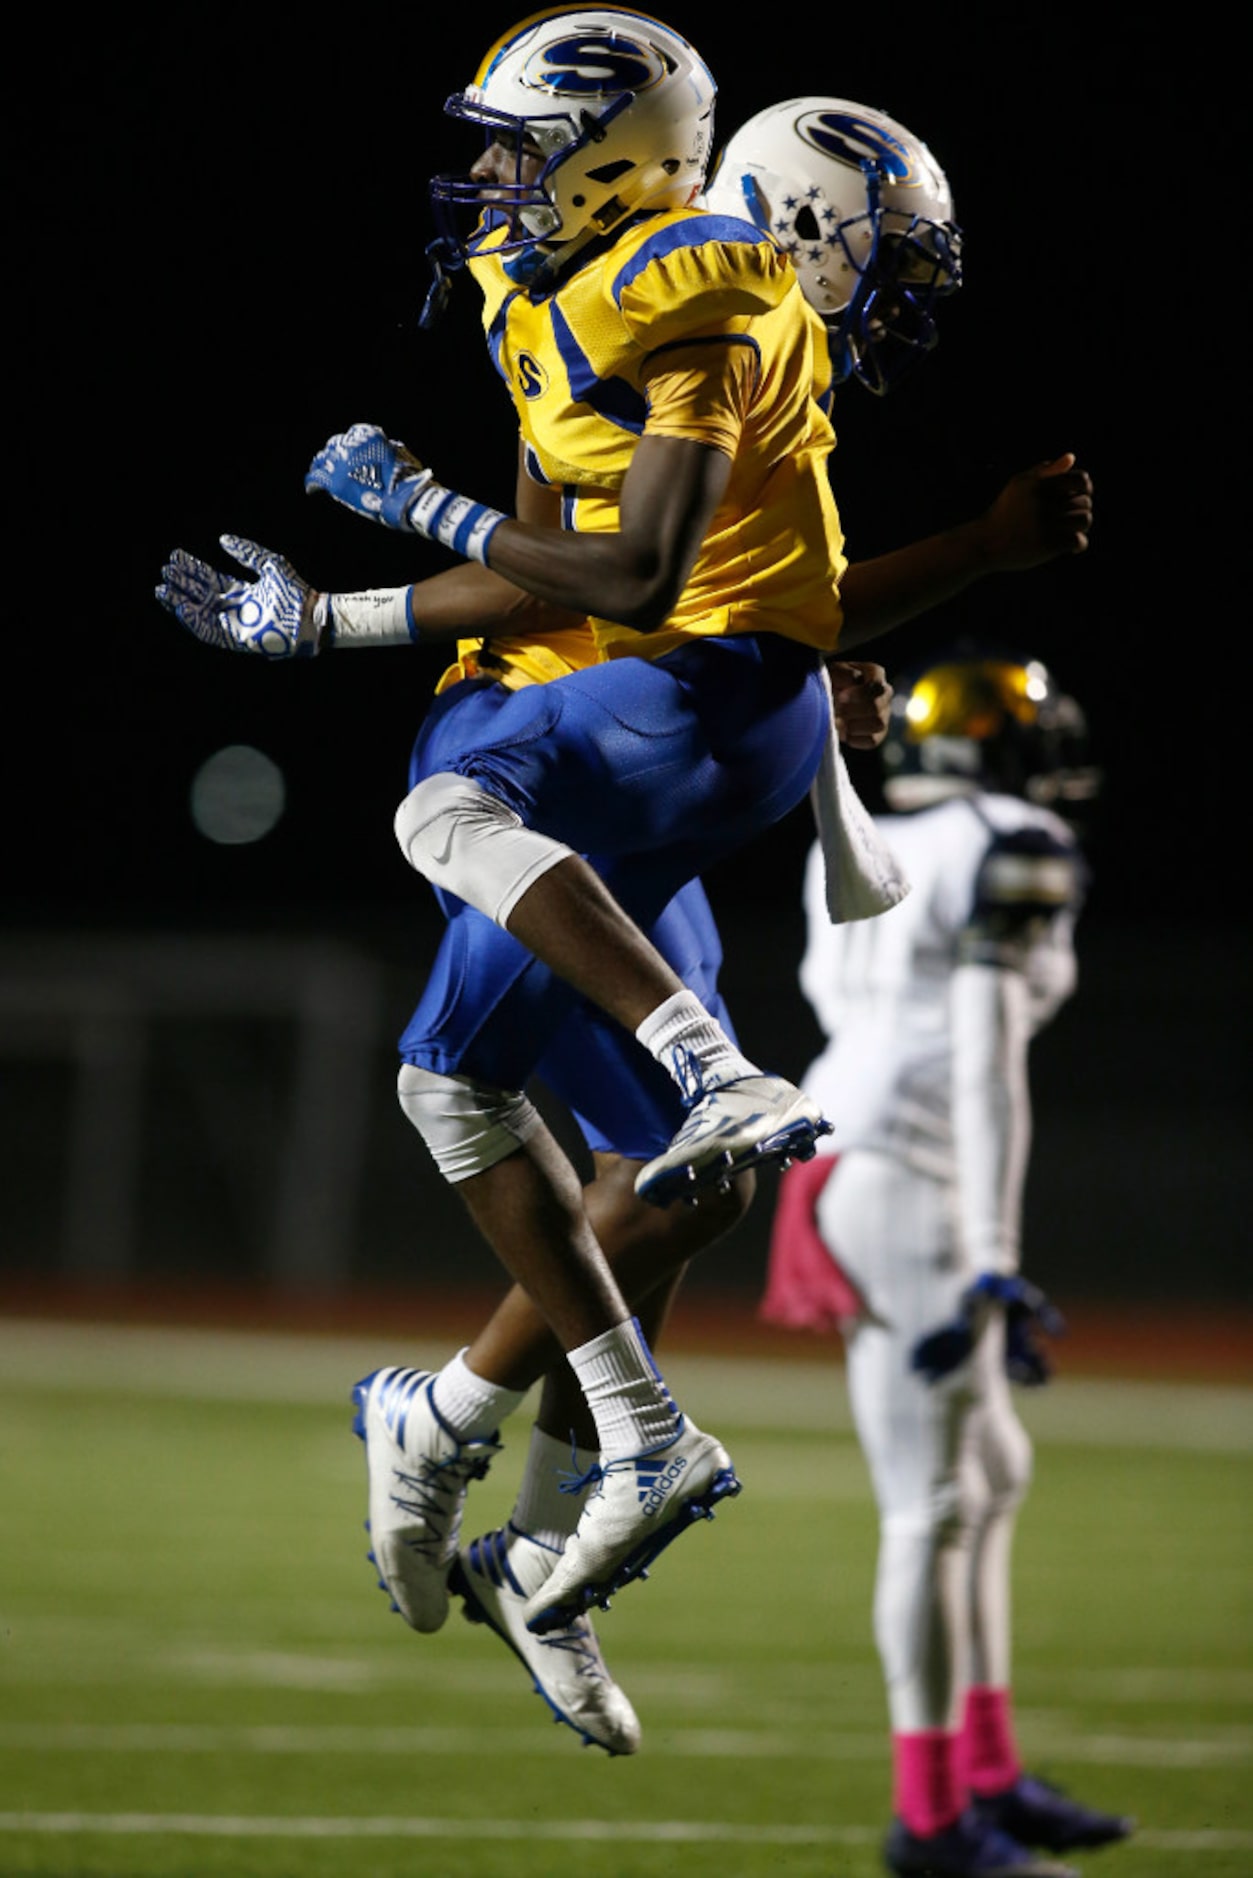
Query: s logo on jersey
[
  {"x": 593, "y": 65},
  {"x": 850, "y": 139},
  {"x": 532, "y": 378}
]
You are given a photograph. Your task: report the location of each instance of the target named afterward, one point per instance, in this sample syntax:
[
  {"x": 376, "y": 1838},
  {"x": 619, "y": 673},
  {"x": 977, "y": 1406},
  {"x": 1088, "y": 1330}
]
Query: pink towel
[{"x": 805, "y": 1286}]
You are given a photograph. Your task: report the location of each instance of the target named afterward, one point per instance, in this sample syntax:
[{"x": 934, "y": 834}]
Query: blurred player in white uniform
[{"x": 906, "y": 1232}]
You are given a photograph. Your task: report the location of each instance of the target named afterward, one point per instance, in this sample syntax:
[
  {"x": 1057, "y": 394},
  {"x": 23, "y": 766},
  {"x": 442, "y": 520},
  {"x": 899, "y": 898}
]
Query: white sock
[
  {"x": 544, "y": 1510},
  {"x": 692, "y": 1046},
  {"x": 629, "y": 1402},
  {"x": 469, "y": 1406}
]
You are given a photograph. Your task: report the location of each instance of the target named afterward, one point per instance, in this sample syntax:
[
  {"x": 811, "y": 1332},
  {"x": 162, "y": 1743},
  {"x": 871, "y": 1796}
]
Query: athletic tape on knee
[
  {"x": 467, "y": 1126},
  {"x": 467, "y": 842}
]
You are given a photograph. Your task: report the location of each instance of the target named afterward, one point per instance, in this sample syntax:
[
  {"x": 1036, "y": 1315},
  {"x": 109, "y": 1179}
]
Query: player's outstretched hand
[
  {"x": 863, "y": 702},
  {"x": 271, "y": 615},
  {"x": 1028, "y": 1315},
  {"x": 1041, "y": 513},
  {"x": 371, "y": 474}
]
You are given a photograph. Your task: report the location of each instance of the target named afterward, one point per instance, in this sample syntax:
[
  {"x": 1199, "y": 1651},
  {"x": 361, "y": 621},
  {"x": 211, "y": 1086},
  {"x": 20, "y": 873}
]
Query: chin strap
[{"x": 445, "y": 262}]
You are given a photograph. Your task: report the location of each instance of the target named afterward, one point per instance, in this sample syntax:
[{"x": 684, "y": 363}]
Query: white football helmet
[
  {"x": 864, "y": 212},
  {"x": 618, "y": 105}
]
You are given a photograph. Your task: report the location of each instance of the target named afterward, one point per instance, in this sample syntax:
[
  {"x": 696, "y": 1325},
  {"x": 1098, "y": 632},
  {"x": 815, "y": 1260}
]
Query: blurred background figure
[{"x": 905, "y": 1232}]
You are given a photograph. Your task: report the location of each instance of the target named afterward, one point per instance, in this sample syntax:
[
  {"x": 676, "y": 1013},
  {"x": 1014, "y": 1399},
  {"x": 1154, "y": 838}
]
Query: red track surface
[{"x": 1164, "y": 1342}]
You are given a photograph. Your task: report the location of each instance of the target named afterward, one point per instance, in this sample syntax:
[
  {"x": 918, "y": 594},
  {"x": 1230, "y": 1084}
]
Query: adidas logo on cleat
[{"x": 655, "y": 1484}]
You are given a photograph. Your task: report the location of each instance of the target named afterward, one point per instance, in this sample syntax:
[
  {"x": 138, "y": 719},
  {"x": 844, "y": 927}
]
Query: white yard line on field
[
  {"x": 1220, "y": 1748},
  {"x": 570, "y": 1831}
]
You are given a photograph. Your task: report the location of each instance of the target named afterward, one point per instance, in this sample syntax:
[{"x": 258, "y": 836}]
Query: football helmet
[
  {"x": 617, "y": 109},
  {"x": 865, "y": 213},
  {"x": 985, "y": 720}
]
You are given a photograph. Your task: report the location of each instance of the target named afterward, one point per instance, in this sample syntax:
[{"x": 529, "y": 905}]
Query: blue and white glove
[
  {"x": 1028, "y": 1315},
  {"x": 272, "y": 615},
  {"x": 385, "y": 482}
]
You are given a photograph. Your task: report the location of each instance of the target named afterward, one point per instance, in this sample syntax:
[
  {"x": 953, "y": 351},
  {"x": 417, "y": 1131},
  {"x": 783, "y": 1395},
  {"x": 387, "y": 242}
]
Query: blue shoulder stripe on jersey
[
  {"x": 496, "y": 337},
  {"x": 1032, "y": 840},
  {"x": 611, "y": 398},
  {"x": 692, "y": 233},
  {"x": 1027, "y": 873},
  {"x": 531, "y": 463}
]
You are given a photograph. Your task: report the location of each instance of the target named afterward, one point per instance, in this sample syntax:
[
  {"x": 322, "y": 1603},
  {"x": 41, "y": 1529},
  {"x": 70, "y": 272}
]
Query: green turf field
[{"x": 197, "y": 1675}]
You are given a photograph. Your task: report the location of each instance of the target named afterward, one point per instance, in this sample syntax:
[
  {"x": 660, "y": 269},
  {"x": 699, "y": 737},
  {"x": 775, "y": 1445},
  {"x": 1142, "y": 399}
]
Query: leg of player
[
  {"x": 732, "y": 769},
  {"x": 657, "y": 1471},
  {"x": 739, "y": 1117},
  {"x": 497, "y": 1574},
  {"x": 1001, "y": 1790},
  {"x": 427, "y": 1437},
  {"x": 893, "y": 1231}
]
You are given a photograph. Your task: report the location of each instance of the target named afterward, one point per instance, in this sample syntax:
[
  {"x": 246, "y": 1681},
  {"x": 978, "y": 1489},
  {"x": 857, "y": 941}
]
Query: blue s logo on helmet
[
  {"x": 855, "y": 140},
  {"x": 593, "y": 67}
]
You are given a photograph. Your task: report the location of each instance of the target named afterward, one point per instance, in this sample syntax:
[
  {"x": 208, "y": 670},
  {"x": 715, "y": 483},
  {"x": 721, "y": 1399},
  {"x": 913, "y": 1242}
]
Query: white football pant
[{"x": 949, "y": 1461}]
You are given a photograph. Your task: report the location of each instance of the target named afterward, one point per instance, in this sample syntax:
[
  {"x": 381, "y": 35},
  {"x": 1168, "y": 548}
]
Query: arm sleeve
[
  {"x": 991, "y": 1027},
  {"x": 1026, "y": 892},
  {"x": 702, "y": 391}
]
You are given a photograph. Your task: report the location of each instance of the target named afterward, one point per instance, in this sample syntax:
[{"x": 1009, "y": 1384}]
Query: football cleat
[
  {"x": 418, "y": 1476},
  {"x": 1040, "y": 1814},
  {"x": 748, "y": 1123},
  {"x": 972, "y": 1847},
  {"x": 495, "y": 1576},
  {"x": 638, "y": 1504}
]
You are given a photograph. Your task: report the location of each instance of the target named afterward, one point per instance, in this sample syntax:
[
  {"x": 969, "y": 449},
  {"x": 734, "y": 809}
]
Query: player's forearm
[
  {"x": 636, "y": 574},
  {"x": 467, "y": 602},
  {"x": 474, "y": 602},
  {"x": 889, "y": 589},
  {"x": 605, "y": 575}
]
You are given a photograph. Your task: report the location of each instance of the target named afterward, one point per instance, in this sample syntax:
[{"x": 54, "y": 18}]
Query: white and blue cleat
[
  {"x": 752, "y": 1123},
  {"x": 638, "y": 1504},
  {"x": 495, "y": 1576},
  {"x": 419, "y": 1474}
]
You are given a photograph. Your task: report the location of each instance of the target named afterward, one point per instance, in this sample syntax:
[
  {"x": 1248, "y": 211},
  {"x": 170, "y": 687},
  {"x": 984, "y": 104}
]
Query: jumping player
[{"x": 701, "y": 662}]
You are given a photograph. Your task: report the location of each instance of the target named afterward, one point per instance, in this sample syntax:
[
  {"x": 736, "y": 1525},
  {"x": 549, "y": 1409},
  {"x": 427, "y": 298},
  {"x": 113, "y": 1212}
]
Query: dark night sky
[
  {"x": 221, "y": 225},
  {"x": 218, "y": 261}
]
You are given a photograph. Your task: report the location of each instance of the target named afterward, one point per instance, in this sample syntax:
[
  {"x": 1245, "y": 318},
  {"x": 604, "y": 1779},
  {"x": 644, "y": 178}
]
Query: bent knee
[
  {"x": 468, "y": 1126},
  {"x": 471, "y": 844}
]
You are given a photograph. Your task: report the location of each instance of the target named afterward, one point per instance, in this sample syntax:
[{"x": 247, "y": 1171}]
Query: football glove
[
  {"x": 1028, "y": 1315},
  {"x": 383, "y": 480},
  {"x": 371, "y": 474},
  {"x": 272, "y": 615}
]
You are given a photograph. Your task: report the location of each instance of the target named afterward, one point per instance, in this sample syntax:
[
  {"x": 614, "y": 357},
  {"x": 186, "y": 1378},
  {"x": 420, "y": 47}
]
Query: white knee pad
[
  {"x": 468, "y": 1126},
  {"x": 467, "y": 842}
]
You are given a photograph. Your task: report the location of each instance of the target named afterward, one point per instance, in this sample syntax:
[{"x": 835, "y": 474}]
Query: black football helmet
[{"x": 985, "y": 720}]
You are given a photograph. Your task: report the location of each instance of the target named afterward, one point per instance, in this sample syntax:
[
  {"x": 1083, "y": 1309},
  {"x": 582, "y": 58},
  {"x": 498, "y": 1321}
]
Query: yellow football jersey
[
  {"x": 688, "y": 325},
  {"x": 517, "y": 662}
]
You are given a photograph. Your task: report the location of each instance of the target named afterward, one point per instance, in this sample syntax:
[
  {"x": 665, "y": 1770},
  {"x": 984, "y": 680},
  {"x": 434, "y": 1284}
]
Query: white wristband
[{"x": 379, "y": 616}]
